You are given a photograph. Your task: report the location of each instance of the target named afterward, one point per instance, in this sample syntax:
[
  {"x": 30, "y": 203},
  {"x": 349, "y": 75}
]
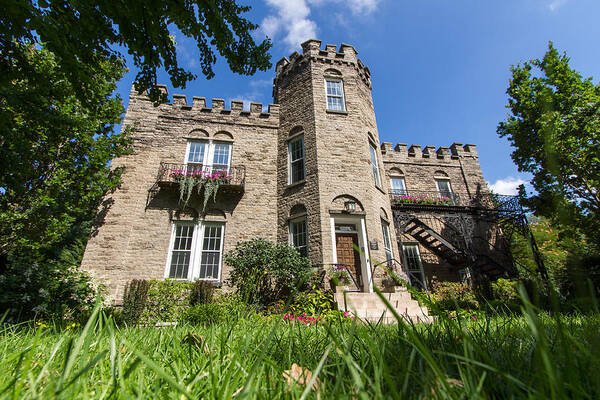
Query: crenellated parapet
[
  {"x": 312, "y": 52},
  {"x": 403, "y": 152},
  {"x": 199, "y": 104}
]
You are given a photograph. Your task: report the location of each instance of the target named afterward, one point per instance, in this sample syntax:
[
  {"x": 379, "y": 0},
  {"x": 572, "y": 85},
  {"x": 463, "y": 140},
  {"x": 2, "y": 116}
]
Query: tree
[
  {"x": 55, "y": 152},
  {"x": 554, "y": 126},
  {"x": 80, "y": 32}
]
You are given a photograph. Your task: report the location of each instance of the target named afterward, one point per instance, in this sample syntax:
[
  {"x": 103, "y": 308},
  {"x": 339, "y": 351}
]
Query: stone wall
[{"x": 134, "y": 239}]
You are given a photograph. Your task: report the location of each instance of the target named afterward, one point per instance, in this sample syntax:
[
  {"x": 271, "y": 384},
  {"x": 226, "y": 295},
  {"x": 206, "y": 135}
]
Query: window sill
[
  {"x": 336, "y": 112},
  {"x": 380, "y": 189},
  {"x": 293, "y": 185}
]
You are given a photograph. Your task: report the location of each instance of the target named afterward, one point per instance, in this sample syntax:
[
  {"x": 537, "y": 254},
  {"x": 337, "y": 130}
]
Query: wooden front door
[{"x": 347, "y": 254}]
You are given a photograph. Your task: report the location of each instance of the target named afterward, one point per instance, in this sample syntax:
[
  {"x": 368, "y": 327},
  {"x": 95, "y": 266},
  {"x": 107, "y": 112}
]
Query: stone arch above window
[
  {"x": 223, "y": 135},
  {"x": 333, "y": 72},
  {"x": 296, "y": 130},
  {"x": 297, "y": 210},
  {"x": 198, "y": 133},
  {"x": 439, "y": 174},
  {"x": 339, "y": 203},
  {"x": 395, "y": 171},
  {"x": 384, "y": 215}
]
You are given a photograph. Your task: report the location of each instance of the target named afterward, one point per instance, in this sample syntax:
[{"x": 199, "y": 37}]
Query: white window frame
[
  {"x": 444, "y": 193},
  {"x": 196, "y": 250},
  {"x": 387, "y": 240},
  {"x": 419, "y": 260},
  {"x": 397, "y": 191},
  {"x": 342, "y": 96},
  {"x": 209, "y": 153},
  {"x": 291, "y": 162},
  {"x": 291, "y": 234},
  {"x": 374, "y": 164}
]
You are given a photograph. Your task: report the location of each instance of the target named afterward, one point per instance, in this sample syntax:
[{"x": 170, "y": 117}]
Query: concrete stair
[{"x": 369, "y": 307}]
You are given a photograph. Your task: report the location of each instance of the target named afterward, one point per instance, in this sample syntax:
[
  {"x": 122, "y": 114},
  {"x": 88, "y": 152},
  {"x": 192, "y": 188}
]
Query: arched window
[
  {"x": 397, "y": 182},
  {"x": 442, "y": 182},
  {"x": 298, "y": 229}
]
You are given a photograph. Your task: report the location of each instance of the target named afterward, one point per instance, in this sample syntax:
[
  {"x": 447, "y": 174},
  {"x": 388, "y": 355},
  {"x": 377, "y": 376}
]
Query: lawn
[{"x": 532, "y": 355}]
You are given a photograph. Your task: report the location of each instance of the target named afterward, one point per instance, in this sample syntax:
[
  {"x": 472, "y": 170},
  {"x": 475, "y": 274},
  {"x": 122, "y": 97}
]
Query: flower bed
[{"x": 422, "y": 199}]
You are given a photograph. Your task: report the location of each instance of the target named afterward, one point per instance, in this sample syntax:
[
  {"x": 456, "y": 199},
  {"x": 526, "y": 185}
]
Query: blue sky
[{"x": 440, "y": 68}]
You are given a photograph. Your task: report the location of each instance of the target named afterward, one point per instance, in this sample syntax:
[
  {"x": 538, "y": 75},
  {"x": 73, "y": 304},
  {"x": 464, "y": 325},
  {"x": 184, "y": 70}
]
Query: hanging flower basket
[{"x": 422, "y": 199}]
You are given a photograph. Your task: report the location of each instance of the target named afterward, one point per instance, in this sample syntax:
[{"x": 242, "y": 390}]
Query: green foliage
[
  {"x": 202, "y": 292},
  {"x": 56, "y": 149},
  {"x": 506, "y": 290},
  {"x": 135, "y": 299},
  {"x": 167, "y": 299},
  {"x": 263, "y": 272},
  {"x": 206, "y": 188},
  {"x": 84, "y": 32},
  {"x": 315, "y": 302},
  {"x": 205, "y": 314},
  {"x": 47, "y": 290},
  {"x": 554, "y": 128},
  {"x": 450, "y": 295}
]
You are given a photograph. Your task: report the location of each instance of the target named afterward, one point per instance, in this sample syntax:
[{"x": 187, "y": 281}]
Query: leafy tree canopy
[
  {"x": 54, "y": 149},
  {"x": 554, "y": 127},
  {"x": 79, "y": 32}
]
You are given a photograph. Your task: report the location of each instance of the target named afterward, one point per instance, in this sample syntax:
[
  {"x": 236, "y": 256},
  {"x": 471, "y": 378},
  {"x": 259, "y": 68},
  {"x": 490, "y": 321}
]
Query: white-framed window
[
  {"x": 398, "y": 185},
  {"x": 299, "y": 235},
  {"x": 387, "y": 243},
  {"x": 444, "y": 189},
  {"x": 195, "y": 251},
  {"x": 374, "y": 165},
  {"x": 208, "y": 155},
  {"x": 414, "y": 267},
  {"x": 335, "y": 94},
  {"x": 296, "y": 157}
]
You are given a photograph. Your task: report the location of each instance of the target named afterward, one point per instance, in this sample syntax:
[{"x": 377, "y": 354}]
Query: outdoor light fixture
[{"x": 350, "y": 206}]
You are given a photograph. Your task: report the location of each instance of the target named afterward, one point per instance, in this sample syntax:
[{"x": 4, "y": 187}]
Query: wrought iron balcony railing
[
  {"x": 412, "y": 198},
  {"x": 232, "y": 176}
]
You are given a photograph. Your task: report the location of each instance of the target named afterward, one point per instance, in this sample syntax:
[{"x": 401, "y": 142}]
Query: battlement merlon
[
  {"x": 415, "y": 151},
  {"x": 137, "y": 100}
]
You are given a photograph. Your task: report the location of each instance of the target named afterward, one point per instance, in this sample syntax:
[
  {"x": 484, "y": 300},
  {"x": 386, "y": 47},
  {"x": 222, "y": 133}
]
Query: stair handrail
[{"x": 410, "y": 275}]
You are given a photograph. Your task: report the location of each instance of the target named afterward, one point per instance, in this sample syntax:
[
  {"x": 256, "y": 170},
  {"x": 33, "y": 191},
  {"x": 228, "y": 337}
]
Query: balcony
[
  {"x": 231, "y": 178},
  {"x": 436, "y": 199}
]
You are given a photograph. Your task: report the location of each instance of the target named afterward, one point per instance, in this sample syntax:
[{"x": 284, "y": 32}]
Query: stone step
[{"x": 370, "y": 307}]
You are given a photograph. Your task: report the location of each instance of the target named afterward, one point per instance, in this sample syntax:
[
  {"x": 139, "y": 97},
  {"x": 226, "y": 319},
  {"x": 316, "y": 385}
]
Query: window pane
[
  {"x": 221, "y": 155},
  {"x": 444, "y": 186},
  {"x": 196, "y": 154},
  {"x": 181, "y": 252},
  {"x": 299, "y": 236},
  {"x": 211, "y": 252},
  {"x": 387, "y": 245},
  {"x": 296, "y": 155},
  {"x": 398, "y": 186},
  {"x": 334, "y": 88}
]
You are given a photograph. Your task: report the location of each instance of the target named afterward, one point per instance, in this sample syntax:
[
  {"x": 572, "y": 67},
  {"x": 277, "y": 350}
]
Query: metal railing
[
  {"x": 411, "y": 198},
  {"x": 173, "y": 173},
  {"x": 345, "y": 267}
]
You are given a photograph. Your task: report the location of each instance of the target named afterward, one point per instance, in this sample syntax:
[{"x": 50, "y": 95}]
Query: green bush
[
  {"x": 314, "y": 302},
  {"x": 263, "y": 272},
  {"x": 450, "y": 295},
  {"x": 226, "y": 307},
  {"x": 135, "y": 299},
  {"x": 201, "y": 292},
  {"x": 167, "y": 299},
  {"x": 46, "y": 290},
  {"x": 506, "y": 290}
]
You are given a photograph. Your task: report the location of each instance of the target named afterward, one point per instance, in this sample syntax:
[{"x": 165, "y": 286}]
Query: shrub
[
  {"x": 48, "y": 290},
  {"x": 167, "y": 299},
  {"x": 450, "y": 295},
  {"x": 263, "y": 272},
  {"x": 135, "y": 299},
  {"x": 201, "y": 292},
  {"x": 205, "y": 314},
  {"x": 313, "y": 302},
  {"x": 505, "y": 290}
]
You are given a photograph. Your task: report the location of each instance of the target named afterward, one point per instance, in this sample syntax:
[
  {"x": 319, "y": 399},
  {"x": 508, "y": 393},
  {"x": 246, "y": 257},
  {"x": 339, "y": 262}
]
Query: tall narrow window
[
  {"x": 398, "y": 185},
  {"x": 412, "y": 260},
  {"x": 374, "y": 165},
  {"x": 210, "y": 259},
  {"x": 335, "y": 95},
  {"x": 387, "y": 243},
  {"x": 299, "y": 235},
  {"x": 195, "y": 157},
  {"x": 296, "y": 157},
  {"x": 221, "y": 156},
  {"x": 181, "y": 252}
]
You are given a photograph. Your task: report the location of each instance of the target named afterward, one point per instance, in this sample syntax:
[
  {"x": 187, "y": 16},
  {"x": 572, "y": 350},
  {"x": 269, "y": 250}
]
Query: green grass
[{"x": 532, "y": 355}]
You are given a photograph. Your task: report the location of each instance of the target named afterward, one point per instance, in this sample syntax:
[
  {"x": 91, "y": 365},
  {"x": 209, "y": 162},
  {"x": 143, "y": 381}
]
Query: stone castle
[{"x": 309, "y": 171}]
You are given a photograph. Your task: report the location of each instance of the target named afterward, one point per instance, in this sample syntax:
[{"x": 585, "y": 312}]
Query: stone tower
[{"x": 326, "y": 113}]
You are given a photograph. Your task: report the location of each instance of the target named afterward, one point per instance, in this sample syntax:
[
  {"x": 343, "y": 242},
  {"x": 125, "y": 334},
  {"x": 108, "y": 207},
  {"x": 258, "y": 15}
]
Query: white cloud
[
  {"x": 556, "y": 4},
  {"x": 507, "y": 185},
  {"x": 292, "y": 17}
]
